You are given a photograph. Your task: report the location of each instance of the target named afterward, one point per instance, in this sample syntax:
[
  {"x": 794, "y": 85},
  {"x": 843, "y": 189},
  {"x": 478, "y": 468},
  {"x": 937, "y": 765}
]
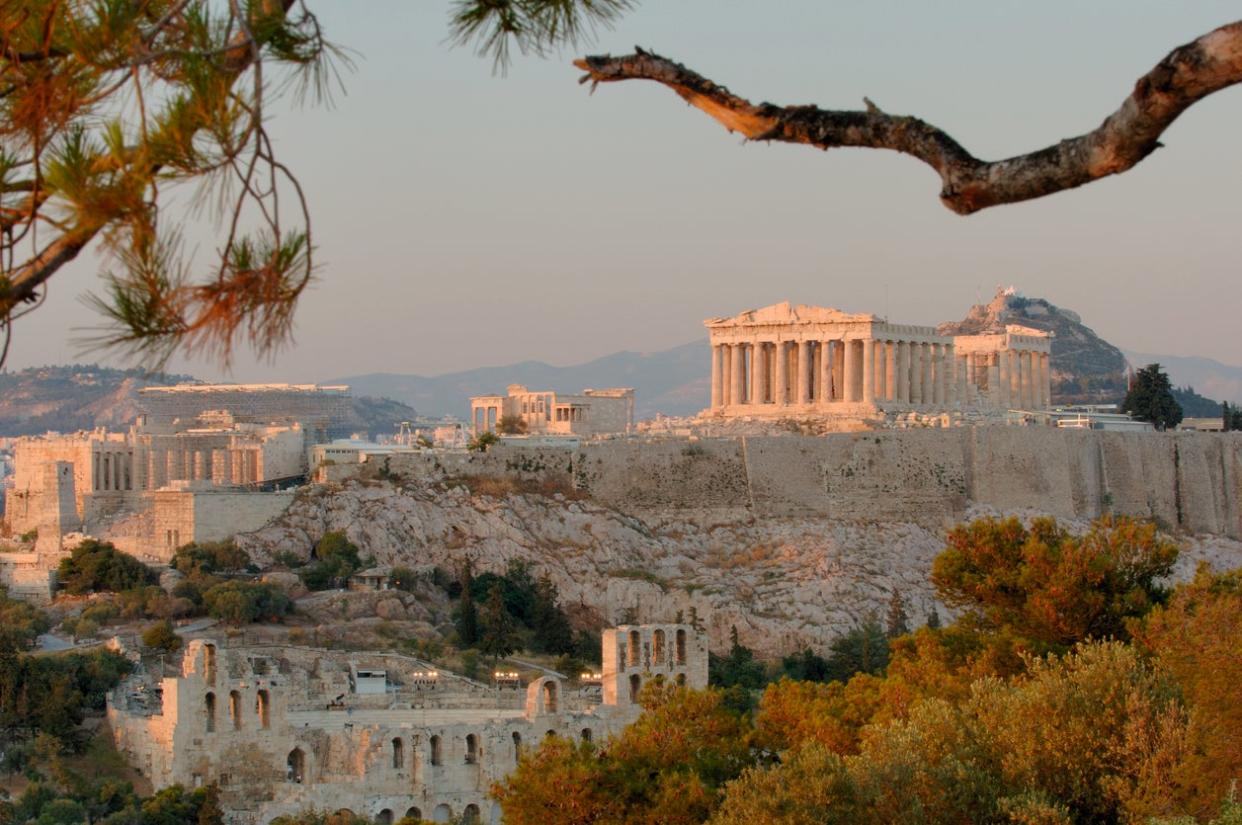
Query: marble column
[
  {"x": 881, "y": 368},
  {"x": 726, "y": 360},
  {"x": 717, "y": 377},
  {"x": 1002, "y": 379},
  {"x": 929, "y": 392},
  {"x": 903, "y": 372},
  {"x": 868, "y": 371},
  {"x": 839, "y": 351},
  {"x": 890, "y": 371},
  {"x": 737, "y": 381},
  {"x": 759, "y": 362},
  {"x": 916, "y": 373},
  {"x": 940, "y": 374},
  {"x": 779, "y": 395},
  {"x": 804, "y": 372},
  {"x": 1045, "y": 377},
  {"x": 1015, "y": 373},
  {"x": 825, "y": 372},
  {"x": 849, "y": 370}
]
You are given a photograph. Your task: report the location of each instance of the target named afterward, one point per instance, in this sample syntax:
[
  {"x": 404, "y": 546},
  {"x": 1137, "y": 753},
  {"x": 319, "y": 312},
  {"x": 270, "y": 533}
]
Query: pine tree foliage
[
  {"x": 1150, "y": 398},
  {"x": 110, "y": 108}
]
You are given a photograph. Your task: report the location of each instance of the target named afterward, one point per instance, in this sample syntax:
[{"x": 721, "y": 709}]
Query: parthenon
[{"x": 790, "y": 360}]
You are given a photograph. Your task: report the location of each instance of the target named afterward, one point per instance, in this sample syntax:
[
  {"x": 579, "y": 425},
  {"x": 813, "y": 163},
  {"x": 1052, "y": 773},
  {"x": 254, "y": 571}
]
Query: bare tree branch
[{"x": 1188, "y": 74}]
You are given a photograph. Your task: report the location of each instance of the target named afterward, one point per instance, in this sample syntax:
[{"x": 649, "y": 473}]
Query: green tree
[
  {"x": 738, "y": 668},
  {"x": 467, "y": 619},
  {"x": 864, "y": 649},
  {"x": 1150, "y": 398},
  {"x": 552, "y": 632},
  {"x": 239, "y": 602},
  {"x": 161, "y": 636},
  {"x": 335, "y": 560},
  {"x": 481, "y": 442},
  {"x": 497, "y": 631},
  {"x": 95, "y": 566}
]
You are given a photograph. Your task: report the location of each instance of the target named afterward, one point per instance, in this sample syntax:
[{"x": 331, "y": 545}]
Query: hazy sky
[{"x": 465, "y": 219}]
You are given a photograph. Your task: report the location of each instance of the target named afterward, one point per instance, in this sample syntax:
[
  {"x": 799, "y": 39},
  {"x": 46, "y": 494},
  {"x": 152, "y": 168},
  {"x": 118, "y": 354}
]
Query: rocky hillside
[
  {"x": 1086, "y": 369},
  {"x": 784, "y": 582},
  {"x": 82, "y": 397}
]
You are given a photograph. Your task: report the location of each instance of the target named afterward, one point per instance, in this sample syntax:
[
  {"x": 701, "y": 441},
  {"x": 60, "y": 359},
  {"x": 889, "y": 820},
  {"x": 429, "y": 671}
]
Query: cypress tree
[{"x": 467, "y": 613}]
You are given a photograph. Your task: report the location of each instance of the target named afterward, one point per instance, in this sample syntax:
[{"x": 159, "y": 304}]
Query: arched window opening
[
  {"x": 235, "y": 709},
  {"x": 657, "y": 644},
  {"x": 549, "y": 697},
  {"x": 209, "y": 709},
  {"x": 384, "y": 817},
  {"x": 517, "y": 745},
  {"x": 636, "y": 685},
  {"x": 262, "y": 708},
  {"x": 586, "y": 734},
  {"x": 470, "y": 816},
  {"x": 472, "y": 749},
  {"x": 295, "y": 766},
  {"x": 398, "y": 753},
  {"x": 435, "y": 750},
  {"x": 635, "y": 645},
  {"x": 413, "y": 813},
  {"x": 209, "y": 664},
  {"x": 680, "y": 680},
  {"x": 442, "y": 813},
  {"x": 681, "y": 647},
  {"x": 550, "y": 735}
]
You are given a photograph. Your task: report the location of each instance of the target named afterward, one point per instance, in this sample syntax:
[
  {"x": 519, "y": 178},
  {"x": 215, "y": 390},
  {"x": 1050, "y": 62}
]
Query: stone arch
[
  {"x": 680, "y": 680},
  {"x": 209, "y": 664},
  {"x": 437, "y": 752},
  {"x": 551, "y": 734},
  {"x": 586, "y": 734},
  {"x": 413, "y": 813},
  {"x": 636, "y": 685},
  {"x": 235, "y": 708},
  {"x": 209, "y": 711},
  {"x": 442, "y": 813},
  {"x": 681, "y": 645},
  {"x": 635, "y": 647},
  {"x": 517, "y": 745},
  {"x": 295, "y": 766},
  {"x": 384, "y": 817},
  {"x": 263, "y": 708},
  {"x": 398, "y": 753},
  {"x": 657, "y": 647},
  {"x": 470, "y": 816},
  {"x": 472, "y": 749},
  {"x": 549, "y": 696}
]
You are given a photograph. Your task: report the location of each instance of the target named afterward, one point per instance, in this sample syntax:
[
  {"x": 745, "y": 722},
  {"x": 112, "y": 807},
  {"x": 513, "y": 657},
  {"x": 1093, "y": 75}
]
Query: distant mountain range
[
  {"x": 1207, "y": 376},
  {"x": 85, "y": 396}
]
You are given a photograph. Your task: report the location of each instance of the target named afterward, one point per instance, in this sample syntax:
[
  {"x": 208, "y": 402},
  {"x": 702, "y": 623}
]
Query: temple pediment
[{"x": 787, "y": 313}]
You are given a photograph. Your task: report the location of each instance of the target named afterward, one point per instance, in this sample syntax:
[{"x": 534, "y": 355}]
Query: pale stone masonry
[
  {"x": 786, "y": 360},
  {"x": 589, "y": 413},
  {"x": 284, "y": 729}
]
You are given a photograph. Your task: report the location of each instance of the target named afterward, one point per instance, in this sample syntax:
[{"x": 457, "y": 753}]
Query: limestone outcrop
[{"x": 793, "y": 540}]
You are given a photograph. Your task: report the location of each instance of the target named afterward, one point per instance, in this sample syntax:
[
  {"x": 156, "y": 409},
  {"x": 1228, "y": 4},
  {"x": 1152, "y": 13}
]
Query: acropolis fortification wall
[{"x": 1190, "y": 481}]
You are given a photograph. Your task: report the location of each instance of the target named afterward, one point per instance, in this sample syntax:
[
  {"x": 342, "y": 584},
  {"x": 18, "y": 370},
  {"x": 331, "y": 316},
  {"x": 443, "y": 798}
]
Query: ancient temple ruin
[{"x": 795, "y": 360}]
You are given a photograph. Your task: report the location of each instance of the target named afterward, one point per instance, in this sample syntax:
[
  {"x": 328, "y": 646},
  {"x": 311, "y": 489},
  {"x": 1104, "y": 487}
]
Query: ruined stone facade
[
  {"x": 203, "y": 462},
  {"x": 790, "y": 361},
  {"x": 590, "y": 413},
  {"x": 284, "y": 729}
]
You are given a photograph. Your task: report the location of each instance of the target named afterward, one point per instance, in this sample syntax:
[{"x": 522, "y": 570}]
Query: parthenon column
[
  {"x": 779, "y": 395},
  {"x": 868, "y": 370},
  {"x": 737, "y": 384},
  {"x": 1045, "y": 377},
  {"x": 804, "y": 372},
  {"x": 903, "y": 372},
  {"x": 916, "y": 373},
  {"x": 825, "y": 372},
  {"x": 717, "y": 376},
  {"x": 838, "y": 370},
  {"x": 726, "y": 383},
  {"x": 881, "y": 368},
  {"x": 929, "y": 392},
  {"x": 890, "y": 371},
  {"x": 849, "y": 370},
  {"x": 759, "y": 372},
  {"x": 1016, "y": 372}
]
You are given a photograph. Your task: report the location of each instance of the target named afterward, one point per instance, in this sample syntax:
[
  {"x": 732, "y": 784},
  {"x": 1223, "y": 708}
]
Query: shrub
[
  {"x": 161, "y": 636},
  {"x": 240, "y": 603},
  {"x": 97, "y": 565}
]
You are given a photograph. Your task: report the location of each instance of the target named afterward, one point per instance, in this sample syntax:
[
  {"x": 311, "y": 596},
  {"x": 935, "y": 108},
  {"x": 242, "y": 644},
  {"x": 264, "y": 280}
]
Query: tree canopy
[{"x": 1150, "y": 398}]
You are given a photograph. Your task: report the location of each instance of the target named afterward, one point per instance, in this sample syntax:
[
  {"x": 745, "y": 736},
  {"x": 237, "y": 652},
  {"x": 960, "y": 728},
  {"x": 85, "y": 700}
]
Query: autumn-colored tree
[
  {"x": 1049, "y": 588},
  {"x": 669, "y": 767},
  {"x": 1197, "y": 637}
]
